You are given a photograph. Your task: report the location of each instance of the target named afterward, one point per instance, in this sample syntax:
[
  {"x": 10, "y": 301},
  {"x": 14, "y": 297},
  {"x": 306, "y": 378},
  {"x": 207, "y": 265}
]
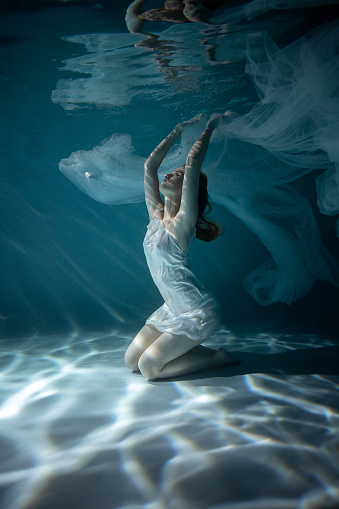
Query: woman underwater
[{"x": 169, "y": 343}]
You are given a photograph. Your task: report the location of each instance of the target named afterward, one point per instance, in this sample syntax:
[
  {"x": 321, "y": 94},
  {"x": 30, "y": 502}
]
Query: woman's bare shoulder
[{"x": 182, "y": 231}]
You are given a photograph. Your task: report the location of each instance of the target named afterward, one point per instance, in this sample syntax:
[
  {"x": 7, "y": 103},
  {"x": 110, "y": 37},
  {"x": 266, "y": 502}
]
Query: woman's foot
[{"x": 223, "y": 358}]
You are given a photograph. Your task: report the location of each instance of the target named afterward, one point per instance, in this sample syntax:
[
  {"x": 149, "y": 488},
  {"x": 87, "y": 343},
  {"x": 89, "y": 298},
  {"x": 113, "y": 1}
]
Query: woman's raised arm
[
  {"x": 151, "y": 181},
  {"x": 152, "y": 193},
  {"x": 195, "y": 158}
]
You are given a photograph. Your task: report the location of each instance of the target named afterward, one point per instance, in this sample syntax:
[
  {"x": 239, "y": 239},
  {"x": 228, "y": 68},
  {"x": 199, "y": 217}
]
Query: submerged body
[
  {"x": 175, "y": 11},
  {"x": 168, "y": 344}
]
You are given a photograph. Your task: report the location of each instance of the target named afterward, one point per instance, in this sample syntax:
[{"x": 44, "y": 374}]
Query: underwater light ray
[
  {"x": 262, "y": 384},
  {"x": 52, "y": 462},
  {"x": 9, "y": 367},
  {"x": 76, "y": 273},
  {"x": 13, "y": 405}
]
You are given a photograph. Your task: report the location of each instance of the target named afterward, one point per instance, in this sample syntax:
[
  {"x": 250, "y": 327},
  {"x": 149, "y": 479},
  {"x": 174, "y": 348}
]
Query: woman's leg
[
  {"x": 145, "y": 337},
  {"x": 172, "y": 355}
]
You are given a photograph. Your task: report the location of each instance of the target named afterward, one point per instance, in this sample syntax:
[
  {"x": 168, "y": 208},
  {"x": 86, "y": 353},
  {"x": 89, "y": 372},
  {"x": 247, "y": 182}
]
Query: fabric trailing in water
[{"x": 291, "y": 131}]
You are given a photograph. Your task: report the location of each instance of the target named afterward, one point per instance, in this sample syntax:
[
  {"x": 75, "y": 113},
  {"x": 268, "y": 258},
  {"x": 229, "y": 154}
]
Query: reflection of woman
[
  {"x": 168, "y": 344},
  {"x": 174, "y": 11}
]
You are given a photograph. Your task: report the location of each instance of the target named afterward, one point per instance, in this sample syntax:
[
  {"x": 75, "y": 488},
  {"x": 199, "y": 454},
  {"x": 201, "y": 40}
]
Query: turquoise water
[{"x": 76, "y": 428}]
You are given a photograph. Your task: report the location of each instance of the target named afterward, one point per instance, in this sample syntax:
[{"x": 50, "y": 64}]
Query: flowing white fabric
[
  {"x": 291, "y": 131},
  {"x": 119, "y": 69}
]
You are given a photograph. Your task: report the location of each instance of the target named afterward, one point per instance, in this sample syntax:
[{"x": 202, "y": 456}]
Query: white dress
[{"x": 188, "y": 309}]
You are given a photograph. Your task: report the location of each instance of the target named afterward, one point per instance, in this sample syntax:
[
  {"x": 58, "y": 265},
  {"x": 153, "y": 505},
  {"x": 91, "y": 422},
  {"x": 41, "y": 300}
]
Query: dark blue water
[
  {"x": 76, "y": 428},
  {"x": 68, "y": 262}
]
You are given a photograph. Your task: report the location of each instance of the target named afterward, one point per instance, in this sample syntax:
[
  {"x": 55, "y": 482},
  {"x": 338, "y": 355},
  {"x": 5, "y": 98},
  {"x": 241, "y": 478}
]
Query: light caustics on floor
[{"x": 77, "y": 429}]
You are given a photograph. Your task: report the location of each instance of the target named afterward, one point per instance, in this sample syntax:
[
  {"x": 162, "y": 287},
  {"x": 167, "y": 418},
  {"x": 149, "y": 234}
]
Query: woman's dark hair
[{"x": 206, "y": 228}]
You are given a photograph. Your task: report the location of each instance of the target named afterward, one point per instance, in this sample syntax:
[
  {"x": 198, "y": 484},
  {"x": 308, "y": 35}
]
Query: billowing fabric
[
  {"x": 188, "y": 309},
  {"x": 253, "y": 160}
]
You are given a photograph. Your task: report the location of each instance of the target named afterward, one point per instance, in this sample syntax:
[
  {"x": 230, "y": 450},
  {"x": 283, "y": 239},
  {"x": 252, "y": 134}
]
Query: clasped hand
[
  {"x": 187, "y": 123},
  {"x": 214, "y": 121},
  {"x": 220, "y": 118}
]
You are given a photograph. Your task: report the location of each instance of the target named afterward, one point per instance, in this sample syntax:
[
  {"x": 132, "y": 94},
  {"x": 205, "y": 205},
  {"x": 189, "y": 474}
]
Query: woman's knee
[
  {"x": 149, "y": 366},
  {"x": 145, "y": 337},
  {"x": 132, "y": 358}
]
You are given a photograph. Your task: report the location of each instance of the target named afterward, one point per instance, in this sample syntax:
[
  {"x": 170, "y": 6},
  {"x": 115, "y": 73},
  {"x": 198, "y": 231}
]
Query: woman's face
[{"x": 172, "y": 183}]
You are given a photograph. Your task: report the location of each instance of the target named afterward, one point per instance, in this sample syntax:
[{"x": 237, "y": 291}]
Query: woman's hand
[
  {"x": 187, "y": 123},
  {"x": 217, "y": 118},
  {"x": 214, "y": 121}
]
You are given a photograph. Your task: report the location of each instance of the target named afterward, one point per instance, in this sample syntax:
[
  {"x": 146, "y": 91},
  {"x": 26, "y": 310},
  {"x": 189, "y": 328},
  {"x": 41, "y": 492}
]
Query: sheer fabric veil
[{"x": 252, "y": 160}]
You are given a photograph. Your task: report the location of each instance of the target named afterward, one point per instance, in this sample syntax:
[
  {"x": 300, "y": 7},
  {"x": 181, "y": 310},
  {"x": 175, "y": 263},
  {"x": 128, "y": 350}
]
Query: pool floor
[{"x": 77, "y": 429}]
